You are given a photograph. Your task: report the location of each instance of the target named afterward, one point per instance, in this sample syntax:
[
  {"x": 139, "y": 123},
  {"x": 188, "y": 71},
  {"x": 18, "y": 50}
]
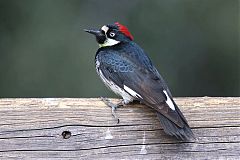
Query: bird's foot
[{"x": 113, "y": 106}]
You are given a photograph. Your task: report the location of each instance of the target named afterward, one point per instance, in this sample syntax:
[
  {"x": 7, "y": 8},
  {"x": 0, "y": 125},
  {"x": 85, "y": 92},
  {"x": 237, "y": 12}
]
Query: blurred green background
[{"x": 45, "y": 53}]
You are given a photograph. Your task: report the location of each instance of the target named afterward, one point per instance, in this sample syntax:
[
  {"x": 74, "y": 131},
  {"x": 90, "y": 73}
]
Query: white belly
[{"x": 112, "y": 86}]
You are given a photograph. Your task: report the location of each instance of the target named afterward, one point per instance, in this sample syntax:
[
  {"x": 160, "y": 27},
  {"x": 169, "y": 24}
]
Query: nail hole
[{"x": 66, "y": 134}]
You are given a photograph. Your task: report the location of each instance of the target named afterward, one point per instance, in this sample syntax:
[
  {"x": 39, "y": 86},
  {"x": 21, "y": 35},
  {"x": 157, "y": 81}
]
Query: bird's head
[{"x": 111, "y": 34}]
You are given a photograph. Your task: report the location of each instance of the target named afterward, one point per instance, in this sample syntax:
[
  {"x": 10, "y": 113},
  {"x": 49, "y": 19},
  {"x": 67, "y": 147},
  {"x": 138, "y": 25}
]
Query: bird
[{"x": 126, "y": 69}]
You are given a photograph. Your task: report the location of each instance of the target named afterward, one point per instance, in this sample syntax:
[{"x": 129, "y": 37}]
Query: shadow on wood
[{"x": 58, "y": 128}]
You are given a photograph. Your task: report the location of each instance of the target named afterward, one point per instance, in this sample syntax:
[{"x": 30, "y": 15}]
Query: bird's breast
[{"x": 112, "y": 86}]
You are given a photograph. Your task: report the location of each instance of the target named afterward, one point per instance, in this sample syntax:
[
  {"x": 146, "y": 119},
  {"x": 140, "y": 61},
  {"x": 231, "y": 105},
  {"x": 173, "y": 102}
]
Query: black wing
[{"x": 145, "y": 81}]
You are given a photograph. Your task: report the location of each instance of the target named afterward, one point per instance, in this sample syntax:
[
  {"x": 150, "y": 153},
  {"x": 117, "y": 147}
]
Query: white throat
[{"x": 109, "y": 42}]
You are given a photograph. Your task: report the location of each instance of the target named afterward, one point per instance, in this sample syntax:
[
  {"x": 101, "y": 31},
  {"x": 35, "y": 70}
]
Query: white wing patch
[
  {"x": 131, "y": 92},
  {"x": 169, "y": 101}
]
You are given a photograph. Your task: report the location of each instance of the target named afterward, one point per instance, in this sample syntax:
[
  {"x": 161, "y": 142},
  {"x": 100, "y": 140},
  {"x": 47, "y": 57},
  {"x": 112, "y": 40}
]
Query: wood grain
[{"x": 32, "y": 128}]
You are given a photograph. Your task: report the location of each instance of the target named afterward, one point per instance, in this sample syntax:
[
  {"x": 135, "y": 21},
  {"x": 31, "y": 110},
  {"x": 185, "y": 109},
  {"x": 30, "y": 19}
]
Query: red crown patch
[{"x": 124, "y": 30}]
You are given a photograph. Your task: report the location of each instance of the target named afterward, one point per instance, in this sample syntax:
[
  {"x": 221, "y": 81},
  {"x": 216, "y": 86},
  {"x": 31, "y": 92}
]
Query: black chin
[{"x": 100, "y": 39}]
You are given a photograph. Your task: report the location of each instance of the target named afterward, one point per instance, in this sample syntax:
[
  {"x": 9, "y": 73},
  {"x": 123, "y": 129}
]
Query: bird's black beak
[
  {"x": 100, "y": 37},
  {"x": 94, "y": 32}
]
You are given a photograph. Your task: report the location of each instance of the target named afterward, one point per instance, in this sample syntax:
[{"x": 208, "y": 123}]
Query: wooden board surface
[{"x": 32, "y": 128}]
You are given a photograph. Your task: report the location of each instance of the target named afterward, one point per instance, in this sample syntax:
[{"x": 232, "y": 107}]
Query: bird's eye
[{"x": 112, "y": 34}]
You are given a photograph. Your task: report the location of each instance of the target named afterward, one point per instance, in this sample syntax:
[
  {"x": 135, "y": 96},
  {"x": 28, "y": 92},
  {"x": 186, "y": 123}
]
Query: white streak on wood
[
  {"x": 143, "y": 149},
  {"x": 108, "y": 134}
]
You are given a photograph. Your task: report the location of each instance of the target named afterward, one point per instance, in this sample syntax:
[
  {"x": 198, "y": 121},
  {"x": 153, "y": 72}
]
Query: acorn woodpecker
[{"x": 126, "y": 69}]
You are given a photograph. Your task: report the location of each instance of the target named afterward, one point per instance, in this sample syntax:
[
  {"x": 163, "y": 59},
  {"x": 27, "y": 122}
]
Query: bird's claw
[{"x": 113, "y": 106}]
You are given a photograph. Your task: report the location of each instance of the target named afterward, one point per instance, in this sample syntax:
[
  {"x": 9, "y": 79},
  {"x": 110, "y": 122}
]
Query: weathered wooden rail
[{"x": 33, "y": 128}]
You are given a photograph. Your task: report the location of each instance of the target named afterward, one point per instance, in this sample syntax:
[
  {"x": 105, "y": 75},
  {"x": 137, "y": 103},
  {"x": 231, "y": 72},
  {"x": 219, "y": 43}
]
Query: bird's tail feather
[{"x": 184, "y": 133}]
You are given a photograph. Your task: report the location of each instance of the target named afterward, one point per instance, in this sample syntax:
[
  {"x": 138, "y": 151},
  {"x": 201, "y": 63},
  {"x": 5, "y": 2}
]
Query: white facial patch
[
  {"x": 105, "y": 29},
  {"x": 131, "y": 92},
  {"x": 108, "y": 41},
  {"x": 169, "y": 101}
]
